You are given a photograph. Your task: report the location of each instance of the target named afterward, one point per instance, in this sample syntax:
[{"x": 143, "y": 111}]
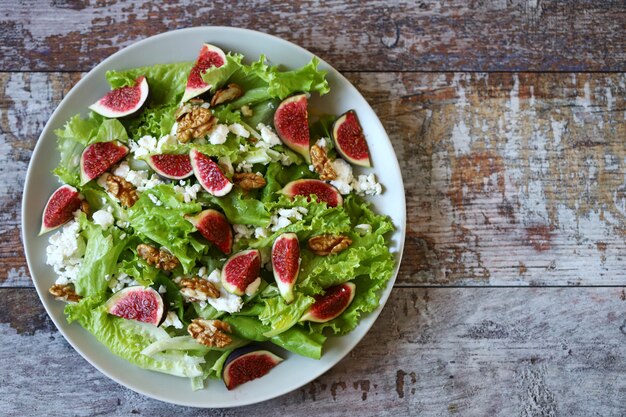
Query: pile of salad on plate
[{"x": 207, "y": 216}]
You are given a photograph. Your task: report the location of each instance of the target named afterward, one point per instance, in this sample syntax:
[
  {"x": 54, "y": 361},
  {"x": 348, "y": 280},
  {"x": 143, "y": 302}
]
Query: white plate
[{"x": 183, "y": 45}]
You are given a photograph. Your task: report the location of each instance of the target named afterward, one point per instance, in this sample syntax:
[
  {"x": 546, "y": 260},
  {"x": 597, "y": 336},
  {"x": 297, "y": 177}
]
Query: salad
[{"x": 209, "y": 219}]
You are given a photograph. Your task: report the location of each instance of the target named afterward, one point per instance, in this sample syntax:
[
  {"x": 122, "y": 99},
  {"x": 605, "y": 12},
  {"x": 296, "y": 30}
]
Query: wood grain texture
[
  {"x": 511, "y": 179},
  {"x": 455, "y": 35},
  {"x": 432, "y": 352}
]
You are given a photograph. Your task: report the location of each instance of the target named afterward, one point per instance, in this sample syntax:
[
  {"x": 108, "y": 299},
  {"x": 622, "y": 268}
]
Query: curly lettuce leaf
[
  {"x": 280, "y": 316},
  {"x": 154, "y": 121},
  {"x": 102, "y": 252},
  {"x": 127, "y": 339},
  {"x": 166, "y": 81},
  {"x": 277, "y": 176},
  {"x": 218, "y": 76},
  {"x": 166, "y": 225},
  {"x": 241, "y": 209}
]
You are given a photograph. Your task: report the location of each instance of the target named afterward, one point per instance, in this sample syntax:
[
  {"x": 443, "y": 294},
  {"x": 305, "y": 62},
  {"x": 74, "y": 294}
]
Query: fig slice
[
  {"x": 286, "y": 264},
  {"x": 323, "y": 191},
  {"x": 291, "y": 121},
  {"x": 350, "y": 141},
  {"x": 331, "y": 304},
  {"x": 209, "y": 174},
  {"x": 248, "y": 363},
  {"x": 123, "y": 101},
  {"x": 215, "y": 228},
  {"x": 240, "y": 273},
  {"x": 171, "y": 166},
  {"x": 98, "y": 157},
  {"x": 60, "y": 208},
  {"x": 137, "y": 303},
  {"x": 209, "y": 56}
]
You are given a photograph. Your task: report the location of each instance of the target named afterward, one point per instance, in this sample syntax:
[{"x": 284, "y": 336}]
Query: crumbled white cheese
[
  {"x": 226, "y": 302},
  {"x": 165, "y": 141},
  {"x": 242, "y": 231},
  {"x": 172, "y": 320},
  {"x": 367, "y": 185},
  {"x": 260, "y": 232},
  {"x": 189, "y": 192},
  {"x": 155, "y": 200},
  {"x": 311, "y": 168},
  {"x": 285, "y": 217},
  {"x": 103, "y": 218},
  {"x": 268, "y": 135},
  {"x": 140, "y": 179},
  {"x": 65, "y": 252},
  {"x": 363, "y": 228},
  {"x": 137, "y": 178},
  {"x": 321, "y": 142},
  {"x": 162, "y": 289},
  {"x": 244, "y": 166},
  {"x": 144, "y": 146},
  {"x": 218, "y": 134},
  {"x": 121, "y": 281},
  {"x": 239, "y": 130},
  {"x": 122, "y": 224},
  {"x": 343, "y": 182}
]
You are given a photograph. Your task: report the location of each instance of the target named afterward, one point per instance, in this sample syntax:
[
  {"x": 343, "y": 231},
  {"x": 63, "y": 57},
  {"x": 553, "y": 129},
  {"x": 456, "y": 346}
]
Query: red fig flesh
[
  {"x": 209, "y": 174},
  {"x": 240, "y": 274},
  {"x": 331, "y": 304},
  {"x": 173, "y": 167},
  {"x": 246, "y": 364},
  {"x": 123, "y": 101},
  {"x": 215, "y": 228},
  {"x": 98, "y": 157},
  {"x": 323, "y": 191},
  {"x": 137, "y": 303},
  {"x": 291, "y": 121},
  {"x": 209, "y": 56},
  {"x": 59, "y": 208},
  {"x": 286, "y": 264},
  {"x": 350, "y": 140}
]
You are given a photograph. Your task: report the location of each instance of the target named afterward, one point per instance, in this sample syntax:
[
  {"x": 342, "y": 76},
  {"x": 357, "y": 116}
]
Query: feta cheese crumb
[
  {"x": 121, "y": 281},
  {"x": 268, "y": 135},
  {"x": 244, "y": 166},
  {"x": 239, "y": 130},
  {"x": 226, "y": 302},
  {"x": 260, "y": 232},
  {"x": 367, "y": 185},
  {"x": 285, "y": 217},
  {"x": 165, "y": 141},
  {"x": 242, "y": 231},
  {"x": 162, "y": 289},
  {"x": 122, "y": 224},
  {"x": 363, "y": 228},
  {"x": 122, "y": 170},
  {"x": 172, "y": 320},
  {"x": 343, "y": 182},
  {"x": 144, "y": 146},
  {"x": 155, "y": 200},
  {"x": 189, "y": 192},
  {"x": 218, "y": 134},
  {"x": 103, "y": 218},
  {"x": 65, "y": 252},
  {"x": 321, "y": 142}
]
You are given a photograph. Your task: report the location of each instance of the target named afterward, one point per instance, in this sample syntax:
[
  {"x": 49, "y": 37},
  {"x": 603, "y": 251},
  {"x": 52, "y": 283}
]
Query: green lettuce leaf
[
  {"x": 241, "y": 209},
  {"x": 166, "y": 224},
  {"x": 102, "y": 252},
  {"x": 166, "y": 81},
  {"x": 127, "y": 339},
  {"x": 280, "y": 316}
]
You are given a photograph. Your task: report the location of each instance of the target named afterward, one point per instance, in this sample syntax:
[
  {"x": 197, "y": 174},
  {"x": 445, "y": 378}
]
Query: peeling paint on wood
[
  {"x": 511, "y": 179},
  {"x": 473, "y": 352},
  {"x": 458, "y": 35}
]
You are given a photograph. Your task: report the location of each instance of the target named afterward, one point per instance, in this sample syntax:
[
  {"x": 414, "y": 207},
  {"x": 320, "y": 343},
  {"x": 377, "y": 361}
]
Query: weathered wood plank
[
  {"x": 534, "y": 164},
  {"x": 436, "y": 35},
  {"x": 432, "y": 352}
]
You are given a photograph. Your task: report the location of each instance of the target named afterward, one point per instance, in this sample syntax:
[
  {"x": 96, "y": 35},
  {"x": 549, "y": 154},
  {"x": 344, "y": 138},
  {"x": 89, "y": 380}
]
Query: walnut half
[
  {"x": 122, "y": 190},
  {"x": 226, "y": 94},
  {"x": 324, "y": 245},
  {"x": 198, "y": 289},
  {"x": 161, "y": 259},
  {"x": 249, "y": 180},
  {"x": 64, "y": 293},
  {"x": 210, "y": 333},
  {"x": 193, "y": 123},
  {"x": 323, "y": 166}
]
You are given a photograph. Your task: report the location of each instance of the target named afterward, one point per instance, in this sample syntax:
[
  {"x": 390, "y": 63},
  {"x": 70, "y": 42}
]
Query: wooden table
[{"x": 509, "y": 121}]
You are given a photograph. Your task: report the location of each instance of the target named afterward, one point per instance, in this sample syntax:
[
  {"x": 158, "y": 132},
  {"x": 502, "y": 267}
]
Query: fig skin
[
  {"x": 134, "y": 293},
  {"x": 59, "y": 208},
  {"x": 331, "y": 304},
  {"x": 221, "y": 235},
  {"x": 160, "y": 164},
  {"x": 209, "y": 174},
  {"x": 250, "y": 274},
  {"x": 246, "y": 364},
  {"x": 323, "y": 191},
  {"x": 105, "y": 108},
  {"x": 349, "y": 126},
  {"x": 208, "y": 57},
  {"x": 98, "y": 157},
  {"x": 288, "y": 263},
  {"x": 291, "y": 121}
]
